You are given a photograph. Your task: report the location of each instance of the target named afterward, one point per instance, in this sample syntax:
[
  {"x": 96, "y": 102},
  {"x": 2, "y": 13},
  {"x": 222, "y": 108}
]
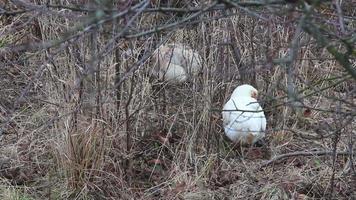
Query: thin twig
[
  {"x": 172, "y": 25},
  {"x": 302, "y": 153},
  {"x": 340, "y": 15}
]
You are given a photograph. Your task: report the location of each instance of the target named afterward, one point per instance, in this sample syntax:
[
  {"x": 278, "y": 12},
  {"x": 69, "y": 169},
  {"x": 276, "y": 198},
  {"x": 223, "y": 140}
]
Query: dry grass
[{"x": 74, "y": 135}]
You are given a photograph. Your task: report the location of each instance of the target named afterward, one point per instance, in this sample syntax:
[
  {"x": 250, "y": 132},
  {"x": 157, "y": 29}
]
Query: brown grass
[{"x": 75, "y": 136}]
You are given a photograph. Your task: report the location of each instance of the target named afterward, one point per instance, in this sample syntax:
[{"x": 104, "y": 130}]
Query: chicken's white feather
[
  {"x": 176, "y": 62},
  {"x": 243, "y": 118}
]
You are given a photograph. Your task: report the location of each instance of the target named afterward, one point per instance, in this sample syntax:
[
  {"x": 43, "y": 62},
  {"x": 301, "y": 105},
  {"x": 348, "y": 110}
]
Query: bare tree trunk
[
  {"x": 117, "y": 80},
  {"x": 129, "y": 132},
  {"x": 80, "y": 85},
  {"x": 247, "y": 72}
]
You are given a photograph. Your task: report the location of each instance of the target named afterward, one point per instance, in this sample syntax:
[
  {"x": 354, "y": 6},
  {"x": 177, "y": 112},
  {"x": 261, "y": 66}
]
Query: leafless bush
[{"x": 81, "y": 116}]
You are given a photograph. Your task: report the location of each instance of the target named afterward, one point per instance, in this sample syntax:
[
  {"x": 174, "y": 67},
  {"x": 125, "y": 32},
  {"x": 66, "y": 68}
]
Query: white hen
[
  {"x": 176, "y": 62},
  {"x": 240, "y": 125}
]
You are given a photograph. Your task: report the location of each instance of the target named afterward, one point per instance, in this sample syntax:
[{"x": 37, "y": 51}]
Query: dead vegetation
[{"x": 82, "y": 118}]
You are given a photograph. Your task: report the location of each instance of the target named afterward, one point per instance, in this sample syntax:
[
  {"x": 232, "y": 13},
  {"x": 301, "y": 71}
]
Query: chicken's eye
[{"x": 254, "y": 94}]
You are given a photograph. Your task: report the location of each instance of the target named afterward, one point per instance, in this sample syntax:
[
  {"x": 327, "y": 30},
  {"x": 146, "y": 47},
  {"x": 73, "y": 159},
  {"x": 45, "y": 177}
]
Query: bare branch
[{"x": 302, "y": 153}]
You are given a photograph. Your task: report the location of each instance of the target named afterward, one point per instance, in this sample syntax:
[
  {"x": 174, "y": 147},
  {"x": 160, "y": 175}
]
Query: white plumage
[
  {"x": 176, "y": 62},
  {"x": 239, "y": 124}
]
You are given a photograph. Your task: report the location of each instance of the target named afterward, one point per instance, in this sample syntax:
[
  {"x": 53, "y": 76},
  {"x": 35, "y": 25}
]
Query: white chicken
[
  {"x": 243, "y": 118},
  {"x": 176, "y": 62}
]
